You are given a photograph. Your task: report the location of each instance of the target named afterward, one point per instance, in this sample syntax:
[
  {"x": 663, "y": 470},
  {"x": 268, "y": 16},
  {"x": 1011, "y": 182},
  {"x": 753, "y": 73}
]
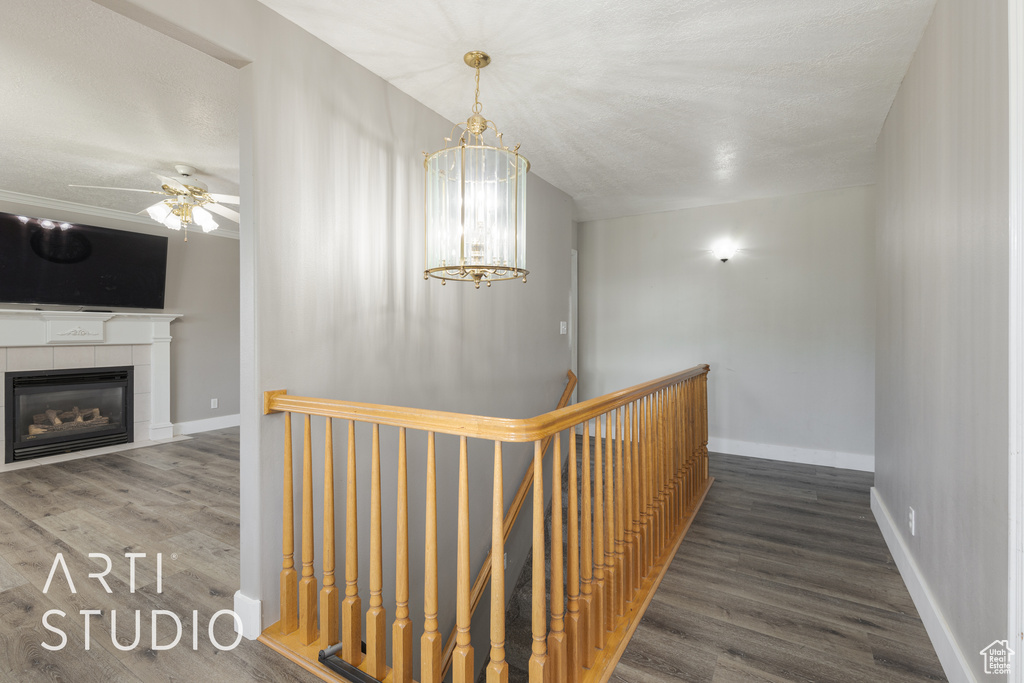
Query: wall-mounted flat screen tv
[{"x": 45, "y": 261}]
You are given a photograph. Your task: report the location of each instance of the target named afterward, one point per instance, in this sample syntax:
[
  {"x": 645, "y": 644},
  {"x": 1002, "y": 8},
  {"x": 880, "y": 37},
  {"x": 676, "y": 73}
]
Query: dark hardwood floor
[
  {"x": 179, "y": 499},
  {"x": 783, "y": 576}
]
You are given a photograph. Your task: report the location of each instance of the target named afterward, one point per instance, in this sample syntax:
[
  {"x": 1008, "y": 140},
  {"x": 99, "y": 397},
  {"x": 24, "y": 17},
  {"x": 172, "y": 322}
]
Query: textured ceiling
[
  {"x": 636, "y": 106},
  {"x": 91, "y": 97},
  {"x": 630, "y": 106}
]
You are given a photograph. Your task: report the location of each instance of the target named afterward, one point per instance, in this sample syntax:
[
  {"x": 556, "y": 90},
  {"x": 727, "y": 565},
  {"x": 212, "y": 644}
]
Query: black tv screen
[{"x": 52, "y": 262}]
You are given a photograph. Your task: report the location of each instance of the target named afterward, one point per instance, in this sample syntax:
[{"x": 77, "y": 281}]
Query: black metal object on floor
[{"x": 330, "y": 659}]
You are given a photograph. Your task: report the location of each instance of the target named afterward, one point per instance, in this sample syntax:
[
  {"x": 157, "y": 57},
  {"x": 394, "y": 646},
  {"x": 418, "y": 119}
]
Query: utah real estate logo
[{"x": 997, "y": 656}]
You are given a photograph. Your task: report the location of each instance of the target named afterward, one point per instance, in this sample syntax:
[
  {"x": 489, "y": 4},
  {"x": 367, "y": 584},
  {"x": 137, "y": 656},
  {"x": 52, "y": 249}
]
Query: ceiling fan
[{"x": 187, "y": 202}]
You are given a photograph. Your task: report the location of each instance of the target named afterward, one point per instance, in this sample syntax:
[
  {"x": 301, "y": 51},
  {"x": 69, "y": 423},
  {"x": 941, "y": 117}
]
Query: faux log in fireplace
[{"x": 49, "y": 412}]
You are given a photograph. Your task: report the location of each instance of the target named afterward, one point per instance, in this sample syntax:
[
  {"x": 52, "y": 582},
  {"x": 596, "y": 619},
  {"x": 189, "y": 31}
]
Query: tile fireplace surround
[{"x": 56, "y": 340}]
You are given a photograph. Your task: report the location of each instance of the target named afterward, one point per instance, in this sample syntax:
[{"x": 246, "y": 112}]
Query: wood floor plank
[
  {"x": 9, "y": 576},
  {"x": 784, "y": 576},
  {"x": 182, "y": 501},
  {"x": 21, "y": 639}
]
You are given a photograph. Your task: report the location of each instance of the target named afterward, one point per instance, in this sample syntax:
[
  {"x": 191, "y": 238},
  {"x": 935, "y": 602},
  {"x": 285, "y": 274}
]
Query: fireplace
[{"x": 49, "y": 412}]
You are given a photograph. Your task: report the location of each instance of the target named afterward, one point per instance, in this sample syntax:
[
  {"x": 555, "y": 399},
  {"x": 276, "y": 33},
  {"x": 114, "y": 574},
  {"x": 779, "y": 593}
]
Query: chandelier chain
[{"x": 477, "y": 107}]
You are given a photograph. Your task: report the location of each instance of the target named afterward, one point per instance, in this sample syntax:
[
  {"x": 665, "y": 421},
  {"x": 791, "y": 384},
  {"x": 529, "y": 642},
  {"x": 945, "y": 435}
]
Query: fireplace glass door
[{"x": 59, "y": 411}]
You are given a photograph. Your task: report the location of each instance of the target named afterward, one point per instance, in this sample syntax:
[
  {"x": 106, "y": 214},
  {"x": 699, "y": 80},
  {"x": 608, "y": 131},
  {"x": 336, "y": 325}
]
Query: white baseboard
[
  {"x": 207, "y": 425},
  {"x": 952, "y": 658},
  {"x": 250, "y": 613},
  {"x": 805, "y": 456}
]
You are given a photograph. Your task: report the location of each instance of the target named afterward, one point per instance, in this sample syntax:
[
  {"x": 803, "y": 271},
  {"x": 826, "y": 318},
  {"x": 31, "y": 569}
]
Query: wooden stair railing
[
  {"x": 648, "y": 459},
  {"x": 507, "y": 522}
]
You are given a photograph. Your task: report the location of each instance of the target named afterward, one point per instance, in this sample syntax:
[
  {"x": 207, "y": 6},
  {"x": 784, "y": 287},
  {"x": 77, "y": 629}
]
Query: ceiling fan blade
[
  {"x": 226, "y": 198},
  {"x": 230, "y": 214},
  {"x": 126, "y": 189},
  {"x": 172, "y": 183}
]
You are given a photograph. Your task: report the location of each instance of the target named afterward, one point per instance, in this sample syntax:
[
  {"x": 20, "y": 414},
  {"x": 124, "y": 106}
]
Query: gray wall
[
  {"x": 341, "y": 309},
  {"x": 942, "y": 354},
  {"x": 787, "y": 324},
  {"x": 202, "y": 285},
  {"x": 333, "y": 298}
]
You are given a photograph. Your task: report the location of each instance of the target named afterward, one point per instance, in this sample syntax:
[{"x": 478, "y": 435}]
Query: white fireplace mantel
[{"x": 61, "y": 329}]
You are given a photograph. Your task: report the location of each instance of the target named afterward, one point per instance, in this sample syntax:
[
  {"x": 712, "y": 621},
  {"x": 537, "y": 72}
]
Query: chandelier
[{"x": 475, "y": 205}]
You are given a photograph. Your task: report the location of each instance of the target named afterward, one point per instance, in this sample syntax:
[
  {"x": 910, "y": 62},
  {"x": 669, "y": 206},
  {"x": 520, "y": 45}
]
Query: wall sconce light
[{"x": 724, "y": 250}]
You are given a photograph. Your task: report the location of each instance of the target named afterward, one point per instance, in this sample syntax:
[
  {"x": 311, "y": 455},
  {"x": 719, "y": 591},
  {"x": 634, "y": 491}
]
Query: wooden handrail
[
  {"x": 473, "y": 426},
  {"x": 649, "y": 462}
]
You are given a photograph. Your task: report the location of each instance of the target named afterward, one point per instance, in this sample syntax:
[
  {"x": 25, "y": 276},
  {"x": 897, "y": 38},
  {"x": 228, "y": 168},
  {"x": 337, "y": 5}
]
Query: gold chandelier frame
[{"x": 471, "y": 138}]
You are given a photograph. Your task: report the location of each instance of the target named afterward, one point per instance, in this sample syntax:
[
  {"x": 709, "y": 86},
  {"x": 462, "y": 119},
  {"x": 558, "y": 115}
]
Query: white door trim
[
  {"x": 1015, "y": 590},
  {"x": 574, "y": 319}
]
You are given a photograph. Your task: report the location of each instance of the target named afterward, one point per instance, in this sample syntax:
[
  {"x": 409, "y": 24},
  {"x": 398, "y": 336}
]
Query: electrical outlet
[
  {"x": 563, "y": 327},
  {"x": 910, "y": 520},
  {"x": 213, "y": 403}
]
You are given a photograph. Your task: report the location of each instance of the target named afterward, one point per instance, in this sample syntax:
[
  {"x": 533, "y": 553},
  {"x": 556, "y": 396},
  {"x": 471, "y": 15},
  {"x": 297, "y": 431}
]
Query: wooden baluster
[
  {"x": 638, "y": 550},
  {"x": 686, "y": 459},
  {"x": 622, "y": 586},
  {"x": 462, "y": 658},
  {"x": 556, "y": 638},
  {"x": 600, "y": 593},
  {"x": 629, "y": 582},
  {"x": 686, "y": 466},
  {"x": 644, "y": 436},
  {"x": 612, "y": 586},
  {"x": 685, "y": 450},
  {"x": 573, "y": 625},
  {"x": 644, "y": 445},
  {"x": 539, "y": 666},
  {"x": 289, "y": 579},
  {"x": 673, "y": 455},
  {"x": 691, "y": 447},
  {"x": 670, "y": 460},
  {"x": 307, "y": 584},
  {"x": 329, "y": 592},
  {"x": 666, "y": 424},
  {"x": 685, "y": 455},
  {"x": 702, "y": 392},
  {"x": 699, "y": 438},
  {"x": 648, "y": 455},
  {"x": 431, "y": 643},
  {"x": 351, "y": 606},
  {"x": 497, "y": 667},
  {"x": 401, "y": 630},
  {"x": 587, "y": 638},
  {"x": 656, "y": 519},
  {"x": 376, "y": 626},
  {"x": 660, "y": 487}
]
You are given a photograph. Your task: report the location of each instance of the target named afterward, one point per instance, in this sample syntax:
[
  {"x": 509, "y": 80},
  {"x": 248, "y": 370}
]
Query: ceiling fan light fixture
[
  {"x": 203, "y": 218},
  {"x": 159, "y": 211},
  {"x": 183, "y": 202},
  {"x": 475, "y": 202}
]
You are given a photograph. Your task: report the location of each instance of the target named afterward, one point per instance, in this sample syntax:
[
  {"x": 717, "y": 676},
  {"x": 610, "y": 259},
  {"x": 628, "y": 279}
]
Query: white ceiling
[
  {"x": 637, "y": 106},
  {"x": 93, "y": 98},
  {"x": 631, "y": 106}
]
